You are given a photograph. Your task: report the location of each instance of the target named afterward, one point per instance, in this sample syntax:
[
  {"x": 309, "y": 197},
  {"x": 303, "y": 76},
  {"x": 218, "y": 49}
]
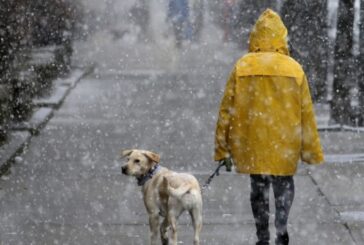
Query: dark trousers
[{"x": 283, "y": 189}]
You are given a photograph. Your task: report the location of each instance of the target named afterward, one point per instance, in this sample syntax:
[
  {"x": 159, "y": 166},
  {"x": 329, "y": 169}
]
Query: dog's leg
[
  {"x": 172, "y": 220},
  {"x": 197, "y": 224},
  {"x": 154, "y": 228},
  {"x": 164, "y": 232}
]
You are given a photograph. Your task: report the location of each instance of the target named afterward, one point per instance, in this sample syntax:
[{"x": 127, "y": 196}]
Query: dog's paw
[{"x": 165, "y": 241}]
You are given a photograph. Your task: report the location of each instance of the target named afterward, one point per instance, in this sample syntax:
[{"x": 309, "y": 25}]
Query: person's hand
[{"x": 228, "y": 162}]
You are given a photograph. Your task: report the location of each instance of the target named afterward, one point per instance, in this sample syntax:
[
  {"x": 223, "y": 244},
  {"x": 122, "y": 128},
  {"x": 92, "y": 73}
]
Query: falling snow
[{"x": 82, "y": 80}]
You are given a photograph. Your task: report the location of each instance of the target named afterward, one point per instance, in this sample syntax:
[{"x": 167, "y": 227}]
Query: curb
[
  {"x": 22, "y": 132},
  {"x": 61, "y": 89},
  {"x": 39, "y": 118},
  {"x": 340, "y": 128}
]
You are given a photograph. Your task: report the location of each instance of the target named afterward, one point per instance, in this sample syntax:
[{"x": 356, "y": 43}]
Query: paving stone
[
  {"x": 341, "y": 183},
  {"x": 357, "y": 231}
]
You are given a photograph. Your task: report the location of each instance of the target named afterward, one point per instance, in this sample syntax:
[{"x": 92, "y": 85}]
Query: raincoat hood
[{"x": 269, "y": 34}]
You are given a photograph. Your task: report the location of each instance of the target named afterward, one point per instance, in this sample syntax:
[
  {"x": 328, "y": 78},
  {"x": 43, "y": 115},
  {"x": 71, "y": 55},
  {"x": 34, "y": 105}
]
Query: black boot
[
  {"x": 262, "y": 243},
  {"x": 282, "y": 239}
]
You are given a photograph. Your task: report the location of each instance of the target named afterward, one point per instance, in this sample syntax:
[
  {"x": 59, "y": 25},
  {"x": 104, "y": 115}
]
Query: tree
[
  {"x": 54, "y": 21},
  {"x": 14, "y": 42},
  {"x": 343, "y": 67},
  {"x": 307, "y": 30},
  {"x": 14, "y": 35}
]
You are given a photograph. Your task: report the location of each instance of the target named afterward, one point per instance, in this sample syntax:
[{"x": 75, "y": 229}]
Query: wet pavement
[{"x": 67, "y": 187}]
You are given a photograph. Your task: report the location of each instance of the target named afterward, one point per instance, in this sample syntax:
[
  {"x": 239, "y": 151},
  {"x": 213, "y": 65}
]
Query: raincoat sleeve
[
  {"x": 311, "y": 151},
  {"x": 223, "y": 122}
]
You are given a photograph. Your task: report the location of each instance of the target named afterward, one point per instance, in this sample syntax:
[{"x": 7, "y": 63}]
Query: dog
[{"x": 165, "y": 193}]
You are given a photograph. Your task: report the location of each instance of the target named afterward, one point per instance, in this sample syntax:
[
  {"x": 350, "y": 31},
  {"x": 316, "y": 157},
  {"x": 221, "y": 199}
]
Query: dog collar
[{"x": 143, "y": 179}]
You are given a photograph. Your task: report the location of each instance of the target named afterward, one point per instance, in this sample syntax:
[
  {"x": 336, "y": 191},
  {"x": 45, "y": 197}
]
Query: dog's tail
[{"x": 178, "y": 192}]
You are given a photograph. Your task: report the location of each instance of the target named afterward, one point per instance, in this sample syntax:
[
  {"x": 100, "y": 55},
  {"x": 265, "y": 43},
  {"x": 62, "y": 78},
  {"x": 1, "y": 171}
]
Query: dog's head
[{"x": 139, "y": 162}]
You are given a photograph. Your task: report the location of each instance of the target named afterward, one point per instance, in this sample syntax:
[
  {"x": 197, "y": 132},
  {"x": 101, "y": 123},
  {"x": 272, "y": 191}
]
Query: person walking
[
  {"x": 178, "y": 15},
  {"x": 228, "y": 19},
  {"x": 266, "y": 123}
]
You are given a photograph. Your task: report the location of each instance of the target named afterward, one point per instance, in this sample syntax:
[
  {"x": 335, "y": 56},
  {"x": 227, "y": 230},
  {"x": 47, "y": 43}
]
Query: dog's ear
[
  {"x": 126, "y": 153},
  {"x": 152, "y": 156}
]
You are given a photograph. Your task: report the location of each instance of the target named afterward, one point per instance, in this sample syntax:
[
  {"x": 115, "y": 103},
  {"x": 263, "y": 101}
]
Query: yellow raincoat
[{"x": 266, "y": 120}]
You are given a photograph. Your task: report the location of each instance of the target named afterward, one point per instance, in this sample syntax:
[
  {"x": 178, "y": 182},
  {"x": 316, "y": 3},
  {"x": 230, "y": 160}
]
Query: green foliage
[
  {"x": 54, "y": 21},
  {"x": 14, "y": 34}
]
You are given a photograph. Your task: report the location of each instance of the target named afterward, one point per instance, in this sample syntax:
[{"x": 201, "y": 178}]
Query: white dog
[{"x": 166, "y": 193}]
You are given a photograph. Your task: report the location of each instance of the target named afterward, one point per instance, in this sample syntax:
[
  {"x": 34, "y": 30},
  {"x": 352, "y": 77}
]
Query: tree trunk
[
  {"x": 343, "y": 67},
  {"x": 361, "y": 66},
  {"x": 307, "y": 31}
]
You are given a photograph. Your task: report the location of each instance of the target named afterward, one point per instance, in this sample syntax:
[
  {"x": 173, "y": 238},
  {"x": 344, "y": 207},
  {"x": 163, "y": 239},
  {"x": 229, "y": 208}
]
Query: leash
[{"x": 216, "y": 173}]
